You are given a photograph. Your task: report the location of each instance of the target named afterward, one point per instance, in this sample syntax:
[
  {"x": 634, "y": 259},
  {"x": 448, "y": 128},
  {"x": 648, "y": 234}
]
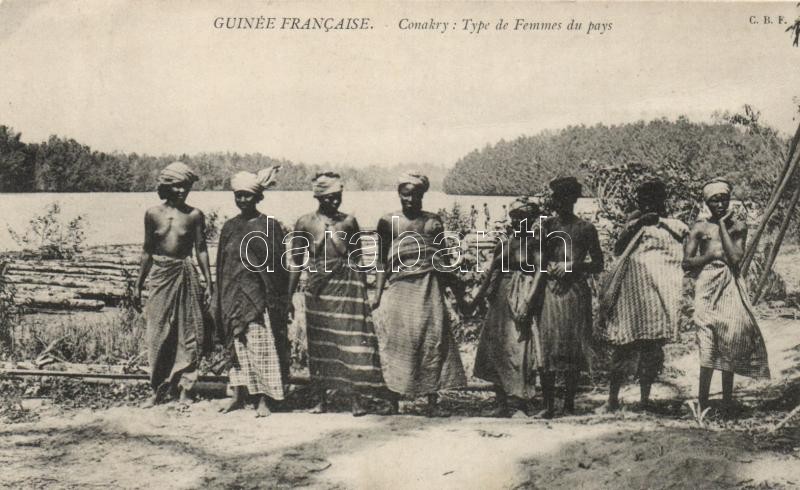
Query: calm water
[{"x": 114, "y": 218}]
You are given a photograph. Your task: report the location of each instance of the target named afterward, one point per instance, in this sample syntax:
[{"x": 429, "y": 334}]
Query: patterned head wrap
[
  {"x": 566, "y": 187},
  {"x": 716, "y": 186},
  {"x": 523, "y": 207},
  {"x": 419, "y": 181},
  {"x": 177, "y": 173},
  {"x": 256, "y": 183},
  {"x": 326, "y": 183}
]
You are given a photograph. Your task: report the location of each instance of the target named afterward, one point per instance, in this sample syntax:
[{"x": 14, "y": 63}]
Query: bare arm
[
  {"x": 298, "y": 243},
  {"x": 201, "y": 248},
  {"x": 147, "y": 258},
  {"x": 733, "y": 241},
  {"x": 691, "y": 259},
  {"x": 595, "y": 265},
  {"x": 355, "y": 248},
  {"x": 384, "y": 246},
  {"x": 486, "y": 280},
  {"x": 220, "y": 266}
]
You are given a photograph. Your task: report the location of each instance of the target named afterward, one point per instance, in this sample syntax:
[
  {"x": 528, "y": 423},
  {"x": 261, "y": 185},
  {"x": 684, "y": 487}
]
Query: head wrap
[
  {"x": 566, "y": 187},
  {"x": 419, "y": 181},
  {"x": 523, "y": 206},
  {"x": 326, "y": 183},
  {"x": 255, "y": 183},
  {"x": 716, "y": 186},
  {"x": 652, "y": 190},
  {"x": 176, "y": 173}
]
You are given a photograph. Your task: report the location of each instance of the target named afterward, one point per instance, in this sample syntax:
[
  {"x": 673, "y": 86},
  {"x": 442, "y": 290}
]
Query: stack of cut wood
[
  {"x": 90, "y": 281},
  {"x": 104, "y": 276}
]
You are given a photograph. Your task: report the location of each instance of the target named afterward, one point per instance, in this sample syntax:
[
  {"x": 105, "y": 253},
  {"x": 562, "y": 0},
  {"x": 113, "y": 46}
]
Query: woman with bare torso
[
  {"x": 507, "y": 349},
  {"x": 342, "y": 346},
  {"x": 727, "y": 332},
  {"x": 419, "y": 355},
  {"x": 565, "y": 319},
  {"x": 176, "y": 331}
]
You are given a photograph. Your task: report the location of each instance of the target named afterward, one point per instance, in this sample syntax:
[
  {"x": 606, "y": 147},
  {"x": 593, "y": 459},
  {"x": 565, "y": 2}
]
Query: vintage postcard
[{"x": 401, "y": 244}]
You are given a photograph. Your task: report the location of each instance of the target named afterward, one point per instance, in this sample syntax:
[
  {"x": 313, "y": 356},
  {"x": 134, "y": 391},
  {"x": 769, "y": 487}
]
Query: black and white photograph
[{"x": 399, "y": 245}]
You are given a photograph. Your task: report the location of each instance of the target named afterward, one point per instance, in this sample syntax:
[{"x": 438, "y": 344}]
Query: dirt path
[{"x": 168, "y": 447}]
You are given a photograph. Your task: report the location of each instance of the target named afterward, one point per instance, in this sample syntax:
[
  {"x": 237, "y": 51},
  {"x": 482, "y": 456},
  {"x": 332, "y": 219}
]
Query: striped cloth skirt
[
  {"x": 258, "y": 366},
  {"x": 343, "y": 350},
  {"x": 563, "y": 326},
  {"x": 727, "y": 331},
  {"x": 418, "y": 352}
]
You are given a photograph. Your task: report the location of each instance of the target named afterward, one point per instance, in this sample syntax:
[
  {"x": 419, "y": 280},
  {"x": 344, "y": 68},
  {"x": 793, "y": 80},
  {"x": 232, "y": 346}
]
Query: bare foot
[
  {"x": 262, "y": 410},
  {"x": 357, "y": 409},
  {"x": 150, "y": 402},
  {"x": 606, "y": 408},
  {"x": 234, "y": 405},
  {"x": 185, "y": 398},
  {"x": 501, "y": 412},
  {"x": 319, "y": 408}
]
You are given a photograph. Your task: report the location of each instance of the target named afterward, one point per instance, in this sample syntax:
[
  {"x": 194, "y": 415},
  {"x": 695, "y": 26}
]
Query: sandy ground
[{"x": 178, "y": 447}]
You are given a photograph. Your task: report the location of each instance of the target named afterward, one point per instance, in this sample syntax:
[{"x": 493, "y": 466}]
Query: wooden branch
[
  {"x": 786, "y": 419},
  {"x": 787, "y": 172},
  {"x": 776, "y": 246}
]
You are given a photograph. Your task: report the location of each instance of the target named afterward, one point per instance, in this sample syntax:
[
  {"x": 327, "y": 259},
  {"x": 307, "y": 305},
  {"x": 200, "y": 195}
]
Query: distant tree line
[
  {"x": 735, "y": 146},
  {"x": 65, "y": 165}
]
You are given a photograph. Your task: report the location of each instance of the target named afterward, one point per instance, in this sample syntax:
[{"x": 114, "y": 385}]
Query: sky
[{"x": 156, "y": 77}]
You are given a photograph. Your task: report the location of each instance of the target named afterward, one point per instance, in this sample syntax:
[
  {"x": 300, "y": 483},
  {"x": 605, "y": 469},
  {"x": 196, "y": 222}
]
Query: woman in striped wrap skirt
[
  {"x": 727, "y": 332},
  {"x": 641, "y": 296}
]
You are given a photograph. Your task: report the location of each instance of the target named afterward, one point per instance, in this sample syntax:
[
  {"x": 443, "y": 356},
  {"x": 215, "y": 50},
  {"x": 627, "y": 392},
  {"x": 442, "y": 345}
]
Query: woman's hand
[
  {"x": 209, "y": 294},
  {"x": 136, "y": 298},
  {"x": 559, "y": 269}
]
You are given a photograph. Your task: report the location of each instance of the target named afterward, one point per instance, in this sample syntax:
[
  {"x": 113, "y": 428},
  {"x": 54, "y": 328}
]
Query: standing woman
[
  {"x": 252, "y": 305},
  {"x": 176, "y": 332},
  {"x": 419, "y": 355},
  {"x": 640, "y": 298},
  {"x": 342, "y": 346},
  {"x": 507, "y": 348},
  {"x": 565, "y": 319},
  {"x": 727, "y": 331}
]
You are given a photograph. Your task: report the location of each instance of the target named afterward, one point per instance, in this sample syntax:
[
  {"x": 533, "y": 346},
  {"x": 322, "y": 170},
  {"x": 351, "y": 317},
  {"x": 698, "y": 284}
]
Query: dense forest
[
  {"x": 735, "y": 146},
  {"x": 65, "y": 165}
]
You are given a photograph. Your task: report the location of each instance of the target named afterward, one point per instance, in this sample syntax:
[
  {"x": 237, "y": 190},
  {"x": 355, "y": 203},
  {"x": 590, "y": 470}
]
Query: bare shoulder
[
  {"x": 433, "y": 222},
  {"x": 388, "y": 216},
  {"x": 738, "y": 228},
  {"x": 154, "y": 211},
  {"x": 431, "y": 216},
  {"x": 303, "y": 222},
  {"x": 698, "y": 227},
  {"x": 349, "y": 220}
]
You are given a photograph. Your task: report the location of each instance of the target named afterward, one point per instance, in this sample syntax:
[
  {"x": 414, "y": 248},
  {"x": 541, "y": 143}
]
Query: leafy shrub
[
  {"x": 9, "y": 314},
  {"x": 50, "y": 236}
]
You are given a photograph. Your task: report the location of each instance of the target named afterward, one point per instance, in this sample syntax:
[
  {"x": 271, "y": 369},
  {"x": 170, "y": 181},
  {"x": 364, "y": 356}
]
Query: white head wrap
[
  {"x": 176, "y": 173},
  {"x": 419, "y": 181},
  {"x": 326, "y": 183},
  {"x": 255, "y": 183},
  {"x": 716, "y": 187}
]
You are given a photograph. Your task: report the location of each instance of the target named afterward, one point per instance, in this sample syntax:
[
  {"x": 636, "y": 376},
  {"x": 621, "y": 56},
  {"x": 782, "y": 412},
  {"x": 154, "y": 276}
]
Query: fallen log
[
  {"x": 211, "y": 378},
  {"x": 62, "y": 304}
]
